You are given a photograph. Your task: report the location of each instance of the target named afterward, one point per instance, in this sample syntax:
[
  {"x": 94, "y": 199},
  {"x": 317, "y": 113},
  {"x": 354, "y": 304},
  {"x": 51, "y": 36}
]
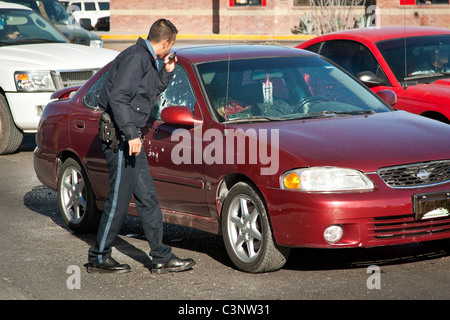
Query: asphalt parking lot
[{"x": 42, "y": 260}]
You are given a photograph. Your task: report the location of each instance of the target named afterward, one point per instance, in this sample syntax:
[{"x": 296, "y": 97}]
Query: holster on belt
[{"x": 107, "y": 131}]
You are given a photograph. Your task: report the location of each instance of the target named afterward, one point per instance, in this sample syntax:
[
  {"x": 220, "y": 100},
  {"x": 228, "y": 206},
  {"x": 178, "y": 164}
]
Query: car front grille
[
  {"x": 68, "y": 78},
  {"x": 387, "y": 228},
  {"x": 416, "y": 175}
]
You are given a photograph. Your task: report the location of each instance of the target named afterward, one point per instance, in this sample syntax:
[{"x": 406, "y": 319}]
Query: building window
[
  {"x": 303, "y": 3},
  {"x": 247, "y": 3}
]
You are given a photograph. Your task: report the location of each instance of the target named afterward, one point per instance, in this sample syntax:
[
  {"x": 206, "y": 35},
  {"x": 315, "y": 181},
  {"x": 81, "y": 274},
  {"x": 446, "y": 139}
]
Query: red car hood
[
  {"x": 364, "y": 143},
  {"x": 436, "y": 93}
]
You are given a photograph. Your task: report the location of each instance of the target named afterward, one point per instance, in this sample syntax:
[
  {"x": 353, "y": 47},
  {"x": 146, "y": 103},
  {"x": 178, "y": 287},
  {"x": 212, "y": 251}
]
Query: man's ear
[{"x": 165, "y": 43}]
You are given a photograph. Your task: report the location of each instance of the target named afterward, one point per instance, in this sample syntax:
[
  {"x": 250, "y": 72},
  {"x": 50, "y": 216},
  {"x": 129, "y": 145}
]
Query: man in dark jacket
[{"x": 128, "y": 95}]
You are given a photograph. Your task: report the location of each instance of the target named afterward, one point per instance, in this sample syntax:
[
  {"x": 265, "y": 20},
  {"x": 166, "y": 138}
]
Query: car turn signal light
[{"x": 292, "y": 181}]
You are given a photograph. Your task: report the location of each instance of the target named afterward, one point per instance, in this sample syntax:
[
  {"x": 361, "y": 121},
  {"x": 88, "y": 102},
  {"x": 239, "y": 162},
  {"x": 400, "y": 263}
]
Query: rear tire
[
  {"x": 10, "y": 136},
  {"x": 76, "y": 198},
  {"x": 247, "y": 233}
]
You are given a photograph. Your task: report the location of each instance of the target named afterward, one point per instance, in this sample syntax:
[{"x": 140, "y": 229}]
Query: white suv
[
  {"x": 36, "y": 60},
  {"x": 89, "y": 10}
]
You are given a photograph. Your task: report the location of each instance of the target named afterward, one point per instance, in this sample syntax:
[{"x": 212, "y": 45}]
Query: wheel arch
[
  {"x": 63, "y": 156},
  {"x": 3, "y": 93},
  {"x": 228, "y": 182},
  {"x": 12, "y": 135}
]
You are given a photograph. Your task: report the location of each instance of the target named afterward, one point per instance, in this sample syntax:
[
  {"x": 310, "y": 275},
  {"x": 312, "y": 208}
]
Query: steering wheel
[{"x": 308, "y": 100}]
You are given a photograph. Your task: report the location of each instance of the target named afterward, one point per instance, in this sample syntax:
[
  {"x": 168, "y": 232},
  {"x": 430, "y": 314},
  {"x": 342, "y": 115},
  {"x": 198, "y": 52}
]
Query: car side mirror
[
  {"x": 179, "y": 115},
  {"x": 388, "y": 96},
  {"x": 370, "y": 79}
]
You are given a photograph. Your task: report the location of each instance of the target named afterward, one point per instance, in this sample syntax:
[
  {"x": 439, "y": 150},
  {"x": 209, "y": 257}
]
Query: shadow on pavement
[
  {"x": 43, "y": 200},
  {"x": 327, "y": 259},
  {"x": 28, "y": 143}
]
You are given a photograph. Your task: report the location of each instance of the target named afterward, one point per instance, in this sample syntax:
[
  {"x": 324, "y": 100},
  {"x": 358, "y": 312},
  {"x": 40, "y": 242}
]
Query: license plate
[{"x": 431, "y": 205}]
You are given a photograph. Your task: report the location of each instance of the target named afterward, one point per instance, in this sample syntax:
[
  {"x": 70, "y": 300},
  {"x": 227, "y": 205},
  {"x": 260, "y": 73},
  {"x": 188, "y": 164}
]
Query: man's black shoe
[
  {"x": 108, "y": 266},
  {"x": 173, "y": 265}
]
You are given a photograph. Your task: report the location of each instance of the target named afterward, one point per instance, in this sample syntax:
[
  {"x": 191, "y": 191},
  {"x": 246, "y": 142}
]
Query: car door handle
[{"x": 79, "y": 125}]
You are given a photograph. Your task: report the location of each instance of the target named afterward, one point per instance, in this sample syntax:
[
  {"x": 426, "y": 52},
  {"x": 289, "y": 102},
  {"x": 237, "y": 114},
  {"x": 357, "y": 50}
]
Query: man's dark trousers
[{"x": 129, "y": 175}]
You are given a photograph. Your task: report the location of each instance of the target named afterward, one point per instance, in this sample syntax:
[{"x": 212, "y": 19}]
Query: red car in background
[
  {"x": 271, "y": 147},
  {"x": 412, "y": 61}
]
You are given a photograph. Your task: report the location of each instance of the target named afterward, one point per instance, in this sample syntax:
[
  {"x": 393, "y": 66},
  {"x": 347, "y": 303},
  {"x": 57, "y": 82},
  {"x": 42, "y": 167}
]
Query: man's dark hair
[{"x": 162, "y": 29}]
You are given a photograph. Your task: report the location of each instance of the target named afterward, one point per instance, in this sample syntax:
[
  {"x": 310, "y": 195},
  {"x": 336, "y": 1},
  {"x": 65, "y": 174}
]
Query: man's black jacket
[{"x": 131, "y": 87}]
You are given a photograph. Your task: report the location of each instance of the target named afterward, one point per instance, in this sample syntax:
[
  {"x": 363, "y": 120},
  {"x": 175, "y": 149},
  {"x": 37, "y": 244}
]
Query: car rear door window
[{"x": 91, "y": 97}]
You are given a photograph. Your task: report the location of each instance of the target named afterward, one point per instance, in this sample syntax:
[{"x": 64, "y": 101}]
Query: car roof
[
  {"x": 383, "y": 33},
  {"x": 197, "y": 54},
  {"x": 9, "y": 5}
]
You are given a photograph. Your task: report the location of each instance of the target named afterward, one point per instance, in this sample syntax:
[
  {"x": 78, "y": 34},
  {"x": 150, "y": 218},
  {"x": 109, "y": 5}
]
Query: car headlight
[
  {"x": 325, "y": 179},
  {"x": 31, "y": 81},
  {"x": 96, "y": 43}
]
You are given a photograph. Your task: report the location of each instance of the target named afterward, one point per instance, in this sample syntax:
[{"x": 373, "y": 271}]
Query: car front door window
[
  {"x": 178, "y": 93},
  {"x": 353, "y": 56}
]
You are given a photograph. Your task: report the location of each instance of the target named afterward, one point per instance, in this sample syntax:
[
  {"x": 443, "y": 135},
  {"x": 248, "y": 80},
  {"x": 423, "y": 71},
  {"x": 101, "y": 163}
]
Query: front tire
[
  {"x": 10, "y": 136},
  {"x": 76, "y": 198},
  {"x": 247, "y": 233}
]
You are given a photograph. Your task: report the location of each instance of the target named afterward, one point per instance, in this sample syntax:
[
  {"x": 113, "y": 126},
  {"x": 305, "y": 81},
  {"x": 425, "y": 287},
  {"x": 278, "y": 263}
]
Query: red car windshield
[
  {"x": 283, "y": 88},
  {"x": 426, "y": 58}
]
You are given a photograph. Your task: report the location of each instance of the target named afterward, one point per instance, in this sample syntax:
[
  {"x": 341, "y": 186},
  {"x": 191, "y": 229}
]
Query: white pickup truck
[{"x": 36, "y": 60}]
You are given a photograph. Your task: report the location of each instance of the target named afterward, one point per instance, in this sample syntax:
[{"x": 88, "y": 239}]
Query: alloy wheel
[
  {"x": 244, "y": 229},
  {"x": 73, "y": 196}
]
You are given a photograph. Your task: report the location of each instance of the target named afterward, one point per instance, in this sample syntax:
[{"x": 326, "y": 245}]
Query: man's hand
[
  {"x": 135, "y": 146},
  {"x": 169, "y": 64}
]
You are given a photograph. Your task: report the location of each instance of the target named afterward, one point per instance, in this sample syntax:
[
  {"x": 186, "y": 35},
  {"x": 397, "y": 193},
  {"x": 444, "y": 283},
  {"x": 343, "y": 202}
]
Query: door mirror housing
[
  {"x": 180, "y": 115},
  {"x": 388, "y": 96}
]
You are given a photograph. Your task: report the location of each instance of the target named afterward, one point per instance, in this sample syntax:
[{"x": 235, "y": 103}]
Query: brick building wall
[
  {"x": 204, "y": 16},
  {"x": 392, "y": 13},
  {"x": 277, "y": 17}
]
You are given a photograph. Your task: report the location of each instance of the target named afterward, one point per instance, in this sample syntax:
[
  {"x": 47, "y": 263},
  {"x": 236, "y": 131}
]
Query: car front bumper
[
  {"x": 380, "y": 217},
  {"x": 26, "y": 108}
]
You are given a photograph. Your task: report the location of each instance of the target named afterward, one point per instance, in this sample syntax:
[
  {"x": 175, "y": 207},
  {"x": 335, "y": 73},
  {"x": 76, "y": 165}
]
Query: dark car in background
[
  {"x": 410, "y": 60},
  {"x": 57, "y": 14},
  {"x": 271, "y": 147}
]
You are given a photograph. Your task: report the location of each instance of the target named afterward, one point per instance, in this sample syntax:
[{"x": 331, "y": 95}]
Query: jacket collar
[{"x": 146, "y": 44}]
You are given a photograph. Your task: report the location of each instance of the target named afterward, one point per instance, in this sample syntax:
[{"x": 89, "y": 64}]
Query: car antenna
[
  {"x": 405, "y": 85},
  {"x": 228, "y": 75}
]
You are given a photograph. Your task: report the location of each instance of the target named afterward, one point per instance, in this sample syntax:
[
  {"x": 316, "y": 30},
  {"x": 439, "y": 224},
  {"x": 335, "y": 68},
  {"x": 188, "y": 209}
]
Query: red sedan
[
  {"x": 412, "y": 61},
  {"x": 271, "y": 147}
]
